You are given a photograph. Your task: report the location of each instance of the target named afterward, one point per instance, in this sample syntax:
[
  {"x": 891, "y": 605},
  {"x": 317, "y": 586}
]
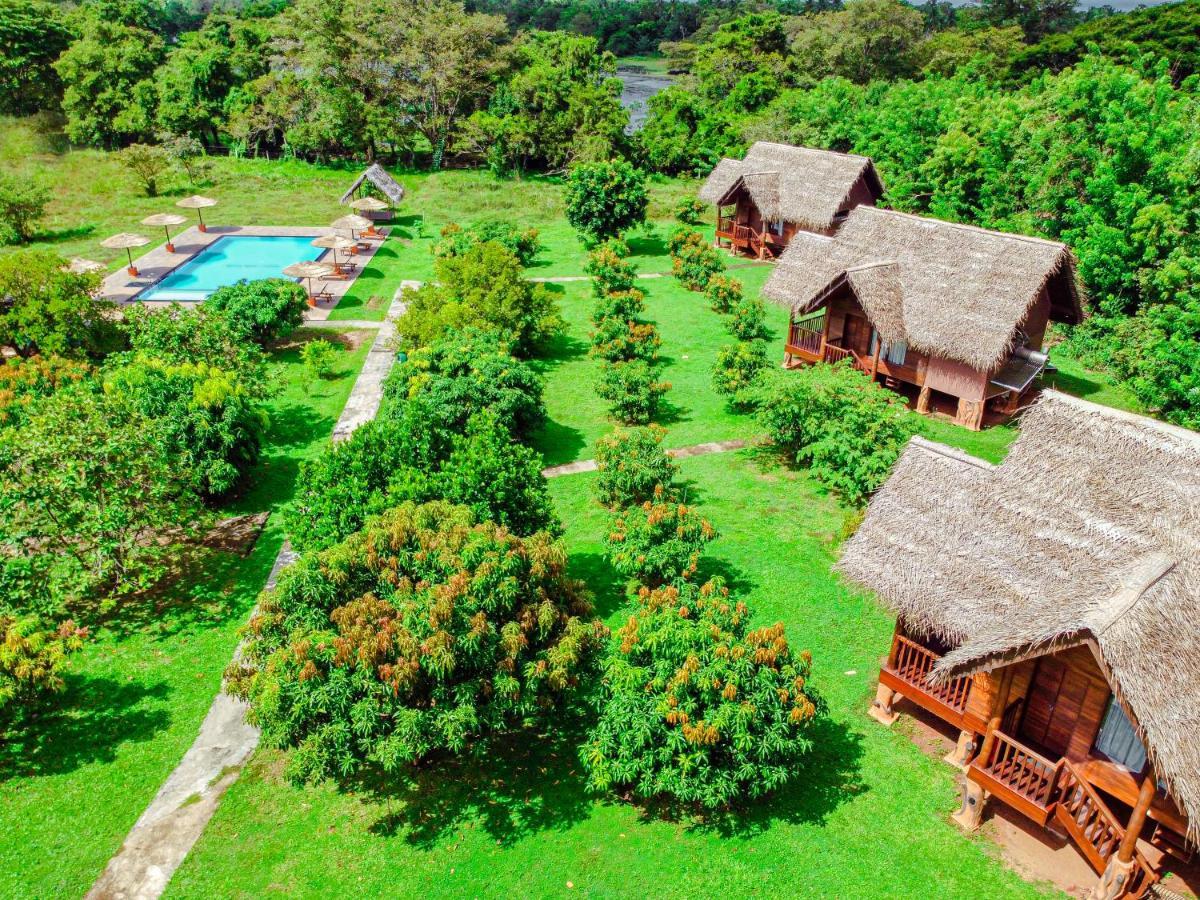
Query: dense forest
[{"x": 1022, "y": 115}]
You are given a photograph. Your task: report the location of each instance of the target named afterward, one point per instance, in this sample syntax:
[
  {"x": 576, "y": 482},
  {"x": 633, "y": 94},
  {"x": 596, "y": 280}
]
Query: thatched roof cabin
[
  {"x": 797, "y": 185},
  {"x": 947, "y": 290},
  {"x": 1086, "y": 535},
  {"x": 377, "y": 176}
]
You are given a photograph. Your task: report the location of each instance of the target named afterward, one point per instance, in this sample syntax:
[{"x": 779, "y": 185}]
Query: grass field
[{"x": 72, "y": 785}]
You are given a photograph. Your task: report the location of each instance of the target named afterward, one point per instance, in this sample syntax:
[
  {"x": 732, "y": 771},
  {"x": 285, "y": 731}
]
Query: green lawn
[{"x": 72, "y": 785}]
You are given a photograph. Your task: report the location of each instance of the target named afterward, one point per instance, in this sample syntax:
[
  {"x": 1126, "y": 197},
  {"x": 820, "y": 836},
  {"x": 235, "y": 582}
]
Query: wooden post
[
  {"x": 1114, "y": 883},
  {"x": 881, "y": 709},
  {"x": 875, "y": 357},
  {"x": 923, "y": 400},
  {"x": 974, "y": 797}
]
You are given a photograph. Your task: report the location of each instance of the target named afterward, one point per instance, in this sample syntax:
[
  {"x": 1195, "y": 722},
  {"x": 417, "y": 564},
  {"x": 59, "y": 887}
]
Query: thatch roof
[
  {"x": 952, "y": 291},
  {"x": 1087, "y": 534},
  {"x": 385, "y": 183},
  {"x": 792, "y": 184}
]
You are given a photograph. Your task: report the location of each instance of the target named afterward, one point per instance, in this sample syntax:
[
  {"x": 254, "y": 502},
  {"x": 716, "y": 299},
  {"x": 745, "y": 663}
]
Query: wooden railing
[
  {"x": 837, "y": 354},
  {"x": 913, "y": 663},
  {"x": 805, "y": 339},
  {"x": 744, "y": 233},
  {"x": 1019, "y": 771},
  {"x": 725, "y": 224}
]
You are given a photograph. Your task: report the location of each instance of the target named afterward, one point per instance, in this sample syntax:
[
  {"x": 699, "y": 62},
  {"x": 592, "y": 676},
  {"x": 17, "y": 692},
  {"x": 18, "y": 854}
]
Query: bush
[
  {"x": 738, "y": 369},
  {"x": 609, "y": 270},
  {"x": 148, "y": 163},
  {"x": 484, "y": 287},
  {"x": 379, "y": 651},
  {"x": 623, "y": 305},
  {"x": 205, "y": 418},
  {"x": 31, "y": 659},
  {"x": 835, "y": 420},
  {"x": 457, "y": 240},
  {"x": 631, "y": 390},
  {"x": 25, "y": 381},
  {"x": 693, "y": 261},
  {"x": 22, "y": 204},
  {"x": 319, "y": 358},
  {"x": 657, "y": 541},
  {"x": 618, "y": 340},
  {"x": 261, "y": 311},
  {"x": 748, "y": 320},
  {"x": 51, "y": 311},
  {"x": 689, "y": 212},
  {"x": 631, "y": 465},
  {"x": 605, "y": 199},
  {"x": 723, "y": 293},
  {"x": 696, "y": 707},
  {"x": 681, "y": 236}
]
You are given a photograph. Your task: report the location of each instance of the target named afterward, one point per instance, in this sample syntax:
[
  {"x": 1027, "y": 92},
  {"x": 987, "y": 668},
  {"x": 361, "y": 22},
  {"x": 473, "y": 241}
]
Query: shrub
[
  {"x": 696, "y": 707},
  {"x": 457, "y": 240},
  {"x": 22, "y": 204},
  {"x": 379, "y": 651},
  {"x": 689, "y": 212},
  {"x": 32, "y": 657},
  {"x": 148, "y": 163},
  {"x": 738, "y": 369},
  {"x": 204, "y": 417},
  {"x": 618, "y": 340},
  {"x": 748, "y": 320},
  {"x": 24, "y": 381},
  {"x": 723, "y": 293},
  {"x": 319, "y": 358},
  {"x": 631, "y": 465},
  {"x": 261, "y": 311},
  {"x": 680, "y": 236},
  {"x": 631, "y": 390},
  {"x": 605, "y": 199},
  {"x": 622, "y": 305},
  {"x": 694, "y": 261},
  {"x": 51, "y": 311},
  {"x": 835, "y": 420},
  {"x": 484, "y": 287},
  {"x": 609, "y": 270},
  {"x": 657, "y": 541},
  {"x": 189, "y": 334}
]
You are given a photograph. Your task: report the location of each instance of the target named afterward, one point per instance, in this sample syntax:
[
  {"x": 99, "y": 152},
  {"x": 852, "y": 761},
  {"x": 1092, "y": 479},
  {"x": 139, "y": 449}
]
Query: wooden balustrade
[
  {"x": 907, "y": 672},
  {"x": 804, "y": 340},
  {"x": 837, "y": 354},
  {"x": 725, "y": 224},
  {"x": 1020, "y": 777}
]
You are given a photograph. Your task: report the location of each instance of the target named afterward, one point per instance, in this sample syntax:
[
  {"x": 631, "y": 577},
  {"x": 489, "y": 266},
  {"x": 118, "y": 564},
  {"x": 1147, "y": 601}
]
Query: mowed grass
[
  {"x": 867, "y": 815},
  {"x": 73, "y": 783}
]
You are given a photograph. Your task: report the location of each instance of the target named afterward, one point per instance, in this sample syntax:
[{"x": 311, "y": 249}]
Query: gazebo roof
[{"x": 383, "y": 182}]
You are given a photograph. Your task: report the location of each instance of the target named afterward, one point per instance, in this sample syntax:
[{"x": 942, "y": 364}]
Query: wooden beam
[
  {"x": 999, "y": 702},
  {"x": 1137, "y": 818}
]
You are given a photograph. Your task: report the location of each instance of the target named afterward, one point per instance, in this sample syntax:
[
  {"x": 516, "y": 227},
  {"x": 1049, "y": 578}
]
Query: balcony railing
[
  {"x": 725, "y": 225},
  {"x": 1087, "y": 818},
  {"x": 1021, "y": 777},
  {"x": 907, "y": 671},
  {"x": 805, "y": 341}
]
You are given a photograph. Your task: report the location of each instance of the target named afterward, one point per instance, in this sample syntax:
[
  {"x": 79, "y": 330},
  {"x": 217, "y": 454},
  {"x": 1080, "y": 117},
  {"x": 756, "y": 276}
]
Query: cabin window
[
  {"x": 1118, "y": 740},
  {"x": 896, "y": 352},
  {"x": 776, "y": 228}
]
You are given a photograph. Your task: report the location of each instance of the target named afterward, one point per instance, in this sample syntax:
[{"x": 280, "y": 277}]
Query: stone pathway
[
  {"x": 589, "y": 465},
  {"x": 173, "y": 822},
  {"x": 563, "y": 279}
]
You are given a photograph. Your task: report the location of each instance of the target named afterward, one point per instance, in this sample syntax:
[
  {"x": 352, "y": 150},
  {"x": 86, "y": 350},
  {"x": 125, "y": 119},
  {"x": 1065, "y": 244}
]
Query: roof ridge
[
  {"x": 930, "y": 220},
  {"x": 809, "y": 150},
  {"x": 1146, "y": 573},
  {"x": 879, "y": 263},
  {"x": 951, "y": 453},
  {"x": 1110, "y": 412}
]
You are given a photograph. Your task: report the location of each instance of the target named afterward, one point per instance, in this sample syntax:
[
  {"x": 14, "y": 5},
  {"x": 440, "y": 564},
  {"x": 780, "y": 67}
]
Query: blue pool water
[{"x": 228, "y": 260}]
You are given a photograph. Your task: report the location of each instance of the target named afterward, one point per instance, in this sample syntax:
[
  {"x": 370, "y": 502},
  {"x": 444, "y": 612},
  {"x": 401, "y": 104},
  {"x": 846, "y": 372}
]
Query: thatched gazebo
[
  {"x": 1048, "y": 606},
  {"x": 376, "y": 177}
]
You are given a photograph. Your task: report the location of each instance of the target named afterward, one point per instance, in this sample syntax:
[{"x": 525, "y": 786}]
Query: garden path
[{"x": 589, "y": 465}]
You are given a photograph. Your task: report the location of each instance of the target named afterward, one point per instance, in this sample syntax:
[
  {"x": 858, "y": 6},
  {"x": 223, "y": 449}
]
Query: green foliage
[
  {"x": 738, "y": 370},
  {"x": 632, "y": 391},
  {"x": 319, "y": 358},
  {"x": 32, "y": 35},
  {"x": 205, "y": 419},
  {"x": 189, "y": 334},
  {"x": 32, "y": 657},
  {"x": 457, "y": 240},
  {"x": 631, "y": 466},
  {"x": 696, "y": 707},
  {"x": 148, "y": 163},
  {"x": 689, "y": 211},
  {"x": 838, "y": 422},
  {"x": 723, "y": 293},
  {"x": 261, "y": 311},
  {"x": 693, "y": 260},
  {"x": 624, "y": 306},
  {"x": 868, "y": 39},
  {"x": 748, "y": 320},
  {"x": 484, "y": 287},
  {"x": 611, "y": 272},
  {"x": 24, "y": 381},
  {"x": 50, "y": 310},
  {"x": 605, "y": 199},
  {"x": 658, "y": 541},
  {"x": 618, "y": 340},
  {"x": 381, "y": 652},
  {"x": 22, "y": 204}
]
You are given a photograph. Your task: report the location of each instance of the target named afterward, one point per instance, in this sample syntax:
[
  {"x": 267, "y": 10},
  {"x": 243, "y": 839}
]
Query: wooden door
[
  {"x": 856, "y": 334},
  {"x": 1066, "y": 700}
]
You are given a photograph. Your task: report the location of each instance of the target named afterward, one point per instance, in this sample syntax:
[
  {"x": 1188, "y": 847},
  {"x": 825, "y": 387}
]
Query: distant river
[{"x": 637, "y": 87}]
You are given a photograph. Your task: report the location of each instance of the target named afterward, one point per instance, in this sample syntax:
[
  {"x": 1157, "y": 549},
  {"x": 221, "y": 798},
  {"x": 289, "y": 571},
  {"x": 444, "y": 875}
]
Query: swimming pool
[{"x": 230, "y": 259}]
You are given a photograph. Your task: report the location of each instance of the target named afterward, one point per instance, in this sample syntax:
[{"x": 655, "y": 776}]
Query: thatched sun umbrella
[
  {"x": 352, "y": 223},
  {"x": 308, "y": 270},
  {"x": 165, "y": 220},
  {"x": 336, "y": 242},
  {"x": 80, "y": 266},
  {"x": 197, "y": 203},
  {"x": 369, "y": 204},
  {"x": 126, "y": 241}
]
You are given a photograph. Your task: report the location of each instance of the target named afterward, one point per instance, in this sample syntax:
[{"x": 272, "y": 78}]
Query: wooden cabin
[
  {"x": 778, "y": 190},
  {"x": 952, "y": 314},
  {"x": 1048, "y": 610}
]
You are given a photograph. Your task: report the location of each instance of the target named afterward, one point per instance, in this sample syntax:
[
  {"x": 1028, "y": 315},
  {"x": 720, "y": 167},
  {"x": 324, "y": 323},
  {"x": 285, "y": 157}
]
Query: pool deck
[{"x": 152, "y": 267}]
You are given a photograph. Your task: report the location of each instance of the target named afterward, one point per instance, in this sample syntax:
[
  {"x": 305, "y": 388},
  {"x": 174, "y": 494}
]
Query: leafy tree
[
  {"x": 948, "y": 51},
  {"x": 611, "y": 272},
  {"x": 624, "y": 306},
  {"x": 197, "y": 334},
  {"x": 148, "y": 163},
  {"x": 381, "y": 652},
  {"x": 24, "y": 381},
  {"x": 696, "y": 707},
  {"x": 748, "y": 319},
  {"x": 619, "y": 340},
  {"x": 658, "y": 541},
  {"x": 456, "y": 240},
  {"x": 738, "y": 370},
  {"x": 1036, "y": 17},
  {"x": 605, "y": 199},
  {"x": 723, "y": 293},
  {"x": 690, "y": 211},
  {"x": 684, "y": 135},
  {"x": 22, "y": 204},
  {"x": 693, "y": 260},
  {"x": 32, "y": 35},
  {"x": 108, "y": 91},
  {"x": 50, "y": 310},
  {"x": 262, "y": 311},
  {"x": 203, "y": 417},
  {"x": 867, "y": 39},
  {"x": 753, "y": 43},
  {"x": 484, "y": 287},
  {"x": 632, "y": 391},
  {"x": 631, "y": 466},
  {"x": 839, "y": 423},
  {"x": 32, "y": 657},
  {"x": 319, "y": 358}
]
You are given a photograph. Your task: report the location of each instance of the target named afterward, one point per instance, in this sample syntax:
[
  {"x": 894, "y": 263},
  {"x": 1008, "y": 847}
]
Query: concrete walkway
[
  {"x": 165, "y": 833},
  {"x": 589, "y": 465}
]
